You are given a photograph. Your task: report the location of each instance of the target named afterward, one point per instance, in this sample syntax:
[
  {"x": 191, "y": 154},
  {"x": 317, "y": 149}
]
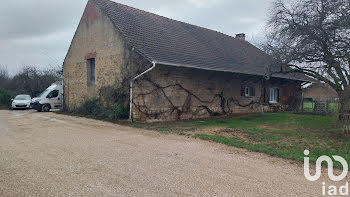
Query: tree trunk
[{"x": 344, "y": 101}]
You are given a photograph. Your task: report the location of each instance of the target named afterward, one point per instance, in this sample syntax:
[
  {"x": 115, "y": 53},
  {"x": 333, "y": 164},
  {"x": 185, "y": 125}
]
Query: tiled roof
[{"x": 172, "y": 42}]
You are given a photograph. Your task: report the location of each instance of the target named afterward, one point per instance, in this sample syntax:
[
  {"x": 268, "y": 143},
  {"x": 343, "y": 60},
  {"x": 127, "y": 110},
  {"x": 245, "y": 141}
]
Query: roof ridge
[{"x": 168, "y": 18}]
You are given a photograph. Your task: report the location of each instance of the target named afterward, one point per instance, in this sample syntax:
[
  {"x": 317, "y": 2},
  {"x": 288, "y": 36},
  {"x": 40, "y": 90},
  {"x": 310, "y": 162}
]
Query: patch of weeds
[
  {"x": 137, "y": 126},
  {"x": 95, "y": 109},
  {"x": 164, "y": 130},
  {"x": 111, "y": 105}
]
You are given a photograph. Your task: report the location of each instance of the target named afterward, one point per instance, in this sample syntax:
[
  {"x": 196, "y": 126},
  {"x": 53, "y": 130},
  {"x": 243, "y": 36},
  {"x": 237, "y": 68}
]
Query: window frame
[
  {"x": 52, "y": 97},
  {"x": 91, "y": 71},
  {"x": 274, "y": 95},
  {"x": 247, "y": 91}
]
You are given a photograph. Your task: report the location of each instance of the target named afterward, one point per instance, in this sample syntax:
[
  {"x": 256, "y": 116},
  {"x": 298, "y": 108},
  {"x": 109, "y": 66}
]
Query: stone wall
[
  {"x": 96, "y": 38},
  {"x": 174, "y": 93},
  {"x": 320, "y": 92}
]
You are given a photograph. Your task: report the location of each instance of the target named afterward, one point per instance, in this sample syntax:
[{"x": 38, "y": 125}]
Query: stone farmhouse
[{"x": 171, "y": 70}]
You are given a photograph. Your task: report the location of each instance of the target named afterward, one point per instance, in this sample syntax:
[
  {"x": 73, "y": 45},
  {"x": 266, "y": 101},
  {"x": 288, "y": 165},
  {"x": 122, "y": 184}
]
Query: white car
[{"x": 21, "y": 102}]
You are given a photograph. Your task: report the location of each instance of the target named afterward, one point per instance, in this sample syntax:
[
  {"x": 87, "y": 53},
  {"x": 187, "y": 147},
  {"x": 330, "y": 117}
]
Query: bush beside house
[{"x": 5, "y": 99}]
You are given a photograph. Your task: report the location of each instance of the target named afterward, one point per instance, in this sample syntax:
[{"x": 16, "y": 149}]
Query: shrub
[
  {"x": 120, "y": 111},
  {"x": 5, "y": 98},
  {"x": 96, "y": 108},
  {"x": 90, "y": 107},
  {"x": 111, "y": 105}
]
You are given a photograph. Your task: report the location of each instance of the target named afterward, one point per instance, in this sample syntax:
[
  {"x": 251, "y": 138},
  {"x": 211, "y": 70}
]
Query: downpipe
[{"x": 132, "y": 86}]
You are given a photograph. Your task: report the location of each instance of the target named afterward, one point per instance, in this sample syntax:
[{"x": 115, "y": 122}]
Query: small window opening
[
  {"x": 91, "y": 71},
  {"x": 248, "y": 91}
]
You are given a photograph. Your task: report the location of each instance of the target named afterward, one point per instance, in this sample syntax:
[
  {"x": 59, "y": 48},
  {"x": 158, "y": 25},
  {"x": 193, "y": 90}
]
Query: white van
[{"x": 51, "y": 98}]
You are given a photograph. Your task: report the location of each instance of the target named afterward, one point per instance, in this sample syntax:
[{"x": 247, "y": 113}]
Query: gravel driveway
[{"x": 46, "y": 154}]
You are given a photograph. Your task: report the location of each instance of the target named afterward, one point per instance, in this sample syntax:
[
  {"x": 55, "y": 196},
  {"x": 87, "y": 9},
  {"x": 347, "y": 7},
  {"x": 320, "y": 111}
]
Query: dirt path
[{"x": 46, "y": 154}]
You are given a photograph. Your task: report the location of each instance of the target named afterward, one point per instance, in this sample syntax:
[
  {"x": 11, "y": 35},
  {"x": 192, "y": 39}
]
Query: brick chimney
[{"x": 240, "y": 36}]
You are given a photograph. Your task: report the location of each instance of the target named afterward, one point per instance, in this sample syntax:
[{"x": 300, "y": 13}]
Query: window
[
  {"x": 248, "y": 91},
  {"x": 91, "y": 71},
  {"x": 53, "y": 94},
  {"x": 22, "y": 97},
  {"x": 274, "y": 95}
]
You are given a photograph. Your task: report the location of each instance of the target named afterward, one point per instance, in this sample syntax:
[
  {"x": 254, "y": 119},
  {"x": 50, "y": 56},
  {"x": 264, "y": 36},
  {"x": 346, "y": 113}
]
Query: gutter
[{"x": 132, "y": 85}]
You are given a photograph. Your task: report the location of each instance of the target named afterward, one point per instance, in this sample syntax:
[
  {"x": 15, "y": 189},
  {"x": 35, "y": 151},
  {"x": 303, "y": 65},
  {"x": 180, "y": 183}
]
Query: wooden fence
[{"x": 320, "y": 107}]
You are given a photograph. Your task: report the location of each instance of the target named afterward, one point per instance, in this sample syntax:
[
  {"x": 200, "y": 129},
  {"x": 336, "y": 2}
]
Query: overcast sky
[{"x": 39, "y": 32}]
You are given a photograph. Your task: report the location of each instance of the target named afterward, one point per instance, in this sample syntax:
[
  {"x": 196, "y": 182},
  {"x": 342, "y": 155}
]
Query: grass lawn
[
  {"x": 278, "y": 134},
  {"x": 309, "y": 107},
  {"x": 333, "y": 107}
]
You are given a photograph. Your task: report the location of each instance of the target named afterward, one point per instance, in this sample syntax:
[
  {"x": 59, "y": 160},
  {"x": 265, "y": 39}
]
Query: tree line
[{"x": 29, "y": 80}]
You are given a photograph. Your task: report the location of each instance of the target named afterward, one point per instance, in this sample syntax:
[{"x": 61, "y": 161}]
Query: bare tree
[
  {"x": 312, "y": 37},
  {"x": 4, "y": 77},
  {"x": 33, "y": 81}
]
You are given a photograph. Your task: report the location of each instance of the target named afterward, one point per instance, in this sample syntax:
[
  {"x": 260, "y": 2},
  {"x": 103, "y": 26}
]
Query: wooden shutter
[
  {"x": 242, "y": 91},
  {"x": 252, "y": 91},
  {"x": 278, "y": 95},
  {"x": 266, "y": 95}
]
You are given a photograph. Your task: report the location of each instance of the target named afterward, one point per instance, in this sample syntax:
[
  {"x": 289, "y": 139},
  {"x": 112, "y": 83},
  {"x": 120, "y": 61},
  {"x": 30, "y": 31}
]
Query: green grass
[
  {"x": 279, "y": 134},
  {"x": 333, "y": 107},
  {"x": 286, "y": 135},
  {"x": 309, "y": 107},
  {"x": 301, "y": 121}
]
